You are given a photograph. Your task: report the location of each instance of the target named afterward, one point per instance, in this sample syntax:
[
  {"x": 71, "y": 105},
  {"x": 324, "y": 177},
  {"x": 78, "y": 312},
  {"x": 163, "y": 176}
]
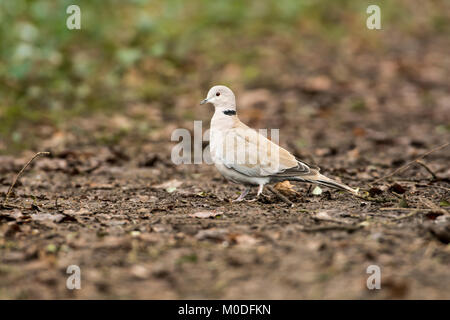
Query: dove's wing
[{"x": 252, "y": 154}]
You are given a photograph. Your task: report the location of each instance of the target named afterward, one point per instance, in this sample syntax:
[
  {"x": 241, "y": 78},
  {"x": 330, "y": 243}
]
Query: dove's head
[{"x": 221, "y": 97}]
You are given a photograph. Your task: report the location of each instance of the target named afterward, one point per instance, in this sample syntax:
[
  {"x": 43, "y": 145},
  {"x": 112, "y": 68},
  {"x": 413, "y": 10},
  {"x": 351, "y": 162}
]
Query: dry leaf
[
  {"x": 245, "y": 240},
  {"x": 286, "y": 188},
  {"x": 170, "y": 186},
  {"x": 317, "y": 191},
  {"x": 139, "y": 272},
  {"x": 205, "y": 214},
  {"x": 47, "y": 217},
  {"x": 323, "y": 215},
  {"x": 211, "y": 234}
]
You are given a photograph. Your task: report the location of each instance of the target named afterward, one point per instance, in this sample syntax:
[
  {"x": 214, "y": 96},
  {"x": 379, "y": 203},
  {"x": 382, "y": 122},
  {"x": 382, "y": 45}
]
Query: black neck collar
[{"x": 229, "y": 112}]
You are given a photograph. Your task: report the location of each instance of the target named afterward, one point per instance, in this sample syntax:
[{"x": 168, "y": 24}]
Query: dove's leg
[
  {"x": 242, "y": 196},
  {"x": 260, "y": 190}
]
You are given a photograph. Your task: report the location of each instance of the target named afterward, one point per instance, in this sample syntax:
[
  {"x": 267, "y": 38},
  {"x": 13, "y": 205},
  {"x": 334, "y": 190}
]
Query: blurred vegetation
[{"x": 143, "y": 50}]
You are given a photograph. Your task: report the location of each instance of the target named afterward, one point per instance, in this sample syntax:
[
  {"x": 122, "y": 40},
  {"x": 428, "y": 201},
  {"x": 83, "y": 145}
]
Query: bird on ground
[{"x": 244, "y": 156}]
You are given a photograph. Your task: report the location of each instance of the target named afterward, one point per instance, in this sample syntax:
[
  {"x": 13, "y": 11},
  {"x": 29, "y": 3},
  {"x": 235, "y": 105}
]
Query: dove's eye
[{"x": 217, "y": 93}]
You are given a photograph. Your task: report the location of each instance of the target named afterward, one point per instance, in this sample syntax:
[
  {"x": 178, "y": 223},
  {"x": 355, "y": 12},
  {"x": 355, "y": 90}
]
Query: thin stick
[
  {"x": 405, "y": 209},
  {"x": 5, "y": 203},
  {"x": 331, "y": 228},
  {"x": 315, "y": 217},
  {"x": 400, "y": 209},
  {"x": 411, "y": 214},
  {"x": 428, "y": 169},
  {"x": 441, "y": 187},
  {"x": 411, "y": 162},
  {"x": 370, "y": 199},
  {"x": 279, "y": 195},
  {"x": 432, "y": 206}
]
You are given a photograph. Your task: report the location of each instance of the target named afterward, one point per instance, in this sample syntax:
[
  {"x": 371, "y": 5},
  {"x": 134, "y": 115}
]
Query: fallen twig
[
  {"x": 411, "y": 162},
  {"x": 332, "y": 227},
  {"x": 411, "y": 214},
  {"x": 413, "y": 211},
  {"x": 5, "y": 202},
  {"x": 317, "y": 218},
  {"x": 404, "y": 209},
  {"x": 441, "y": 187},
  {"x": 409, "y": 209},
  {"x": 428, "y": 169},
  {"x": 368, "y": 198},
  {"x": 279, "y": 195},
  {"x": 433, "y": 206}
]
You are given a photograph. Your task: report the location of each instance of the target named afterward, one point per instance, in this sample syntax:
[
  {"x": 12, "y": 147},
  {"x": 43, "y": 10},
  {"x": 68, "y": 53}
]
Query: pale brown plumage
[{"x": 244, "y": 156}]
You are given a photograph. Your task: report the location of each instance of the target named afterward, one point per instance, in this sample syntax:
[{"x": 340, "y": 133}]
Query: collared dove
[{"x": 246, "y": 157}]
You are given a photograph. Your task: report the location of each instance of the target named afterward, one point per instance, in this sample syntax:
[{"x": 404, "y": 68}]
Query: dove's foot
[
  {"x": 261, "y": 197},
  {"x": 259, "y": 194},
  {"x": 260, "y": 190},
  {"x": 242, "y": 196}
]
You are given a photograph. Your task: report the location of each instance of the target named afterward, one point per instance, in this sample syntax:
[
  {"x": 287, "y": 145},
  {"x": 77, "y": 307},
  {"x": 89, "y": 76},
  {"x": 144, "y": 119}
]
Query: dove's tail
[{"x": 320, "y": 179}]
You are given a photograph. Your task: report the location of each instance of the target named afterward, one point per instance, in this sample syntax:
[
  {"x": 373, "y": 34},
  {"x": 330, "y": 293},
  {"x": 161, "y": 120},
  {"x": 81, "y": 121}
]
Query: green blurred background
[{"x": 157, "y": 52}]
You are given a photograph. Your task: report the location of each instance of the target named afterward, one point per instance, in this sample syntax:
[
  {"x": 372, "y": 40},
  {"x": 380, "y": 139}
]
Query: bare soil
[{"x": 128, "y": 217}]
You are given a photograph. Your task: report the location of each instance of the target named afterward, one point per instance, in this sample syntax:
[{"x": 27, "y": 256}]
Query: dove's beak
[{"x": 204, "y": 101}]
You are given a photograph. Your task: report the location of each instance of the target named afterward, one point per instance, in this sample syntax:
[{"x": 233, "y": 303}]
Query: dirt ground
[{"x": 139, "y": 226}]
